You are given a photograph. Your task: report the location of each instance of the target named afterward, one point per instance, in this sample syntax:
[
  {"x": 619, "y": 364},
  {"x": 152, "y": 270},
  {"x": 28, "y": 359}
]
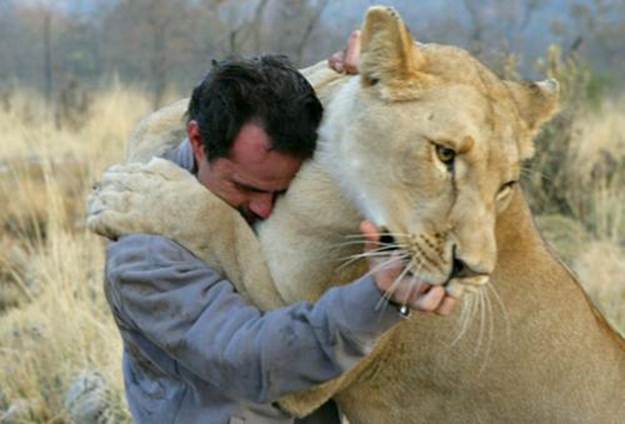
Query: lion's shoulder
[{"x": 157, "y": 132}]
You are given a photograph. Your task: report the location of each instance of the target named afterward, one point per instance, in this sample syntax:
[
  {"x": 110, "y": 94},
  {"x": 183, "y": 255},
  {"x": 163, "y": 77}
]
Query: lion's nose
[{"x": 461, "y": 269}]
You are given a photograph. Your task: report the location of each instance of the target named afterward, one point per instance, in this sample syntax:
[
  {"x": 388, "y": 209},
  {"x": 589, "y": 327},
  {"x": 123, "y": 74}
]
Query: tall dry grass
[
  {"x": 576, "y": 182},
  {"x": 591, "y": 180},
  {"x": 54, "y": 322}
]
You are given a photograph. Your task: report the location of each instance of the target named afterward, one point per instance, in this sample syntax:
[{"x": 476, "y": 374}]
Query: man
[{"x": 194, "y": 350}]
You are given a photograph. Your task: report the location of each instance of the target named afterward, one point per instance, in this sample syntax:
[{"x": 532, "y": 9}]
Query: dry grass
[
  {"x": 594, "y": 170},
  {"x": 54, "y": 322},
  {"x": 596, "y": 181},
  {"x": 591, "y": 180},
  {"x": 601, "y": 268}
]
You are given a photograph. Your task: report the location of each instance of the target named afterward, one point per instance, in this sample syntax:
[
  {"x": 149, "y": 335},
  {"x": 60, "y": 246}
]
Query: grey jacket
[{"x": 196, "y": 352}]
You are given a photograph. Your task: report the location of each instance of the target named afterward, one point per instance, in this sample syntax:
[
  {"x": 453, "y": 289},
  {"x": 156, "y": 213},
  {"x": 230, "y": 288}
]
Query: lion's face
[{"x": 441, "y": 158}]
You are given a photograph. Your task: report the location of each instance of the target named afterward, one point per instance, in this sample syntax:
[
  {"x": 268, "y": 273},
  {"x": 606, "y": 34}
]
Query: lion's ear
[
  {"x": 538, "y": 102},
  {"x": 388, "y": 54}
]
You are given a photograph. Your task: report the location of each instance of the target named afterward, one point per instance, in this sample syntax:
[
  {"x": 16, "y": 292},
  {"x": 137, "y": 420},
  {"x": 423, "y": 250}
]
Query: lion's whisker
[
  {"x": 387, "y": 295},
  {"x": 381, "y": 265},
  {"x": 491, "y": 314},
  {"x": 465, "y": 318},
  {"x": 370, "y": 254},
  {"x": 502, "y": 305},
  {"x": 482, "y": 319},
  {"x": 461, "y": 318},
  {"x": 531, "y": 172},
  {"x": 382, "y": 247},
  {"x": 475, "y": 310},
  {"x": 490, "y": 329},
  {"x": 383, "y": 233},
  {"x": 373, "y": 254},
  {"x": 366, "y": 255},
  {"x": 414, "y": 280},
  {"x": 363, "y": 242}
]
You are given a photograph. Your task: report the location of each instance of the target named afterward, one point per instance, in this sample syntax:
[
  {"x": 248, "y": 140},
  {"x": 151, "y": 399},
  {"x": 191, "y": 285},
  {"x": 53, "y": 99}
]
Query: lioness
[{"x": 427, "y": 142}]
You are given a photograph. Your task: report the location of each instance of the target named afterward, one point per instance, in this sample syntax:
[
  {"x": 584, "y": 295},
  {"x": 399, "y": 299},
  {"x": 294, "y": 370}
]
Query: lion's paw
[
  {"x": 166, "y": 169},
  {"x": 129, "y": 198}
]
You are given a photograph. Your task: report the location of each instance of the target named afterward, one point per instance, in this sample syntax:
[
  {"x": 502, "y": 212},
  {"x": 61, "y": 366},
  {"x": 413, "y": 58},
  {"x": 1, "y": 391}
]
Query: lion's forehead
[
  {"x": 396, "y": 133},
  {"x": 447, "y": 117},
  {"x": 447, "y": 107}
]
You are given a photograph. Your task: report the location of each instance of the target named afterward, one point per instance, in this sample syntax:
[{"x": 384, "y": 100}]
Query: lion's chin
[{"x": 457, "y": 286}]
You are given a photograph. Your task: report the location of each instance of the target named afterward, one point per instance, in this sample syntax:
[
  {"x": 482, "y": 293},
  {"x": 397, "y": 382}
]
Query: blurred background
[
  {"x": 165, "y": 46},
  {"x": 75, "y": 76}
]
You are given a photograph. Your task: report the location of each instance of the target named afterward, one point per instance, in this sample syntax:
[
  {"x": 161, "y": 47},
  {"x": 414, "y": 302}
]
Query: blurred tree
[
  {"x": 7, "y": 30},
  {"x": 313, "y": 21},
  {"x": 146, "y": 39},
  {"x": 47, "y": 52},
  {"x": 292, "y": 24},
  {"x": 597, "y": 30},
  {"x": 241, "y": 26},
  {"x": 164, "y": 44},
  {"x": 497, "y": 28}
]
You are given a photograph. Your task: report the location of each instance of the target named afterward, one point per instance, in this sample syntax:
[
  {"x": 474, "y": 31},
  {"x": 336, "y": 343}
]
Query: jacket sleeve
[{"x": 185, "y": 308}]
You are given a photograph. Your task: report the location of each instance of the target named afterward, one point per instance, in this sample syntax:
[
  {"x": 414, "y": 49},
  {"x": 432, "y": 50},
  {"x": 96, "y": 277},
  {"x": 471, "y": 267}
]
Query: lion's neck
[
  {"x": 315, "y": 224},
  {"x": 545, "y": 356},
  {"x": 526, "y": 261}
]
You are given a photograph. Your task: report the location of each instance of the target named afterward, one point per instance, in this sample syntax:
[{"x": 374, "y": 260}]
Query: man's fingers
[
  {"x": 407, "y": 290},
  {"x": 426, "y": 298},
  {"x": 371, "y": 234},
  {"x": 336, "y": 61},
  {"x": 347, "y": 60},
  {"x": 352, "y": 53},
  {"x": 430, "y": 301},
  {"x": 446, "y": 306}
]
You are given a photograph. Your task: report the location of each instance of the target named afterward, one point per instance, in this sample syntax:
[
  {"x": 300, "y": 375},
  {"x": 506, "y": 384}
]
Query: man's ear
[{"x": 195, "y": 138}]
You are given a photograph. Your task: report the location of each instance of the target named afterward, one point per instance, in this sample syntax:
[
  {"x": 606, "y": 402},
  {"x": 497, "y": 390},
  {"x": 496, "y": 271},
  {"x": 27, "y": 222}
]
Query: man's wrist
[
  {"x": 385, "y": 295},
  {"x": 404, "y": 310}
]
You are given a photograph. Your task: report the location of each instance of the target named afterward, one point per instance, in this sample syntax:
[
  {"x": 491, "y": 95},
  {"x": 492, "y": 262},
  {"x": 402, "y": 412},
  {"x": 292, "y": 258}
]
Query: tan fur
[{"x": 546, "y": 356}]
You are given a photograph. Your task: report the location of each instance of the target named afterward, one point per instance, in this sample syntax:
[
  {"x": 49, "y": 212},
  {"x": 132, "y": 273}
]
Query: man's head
[{"x": 251, "y": 123}]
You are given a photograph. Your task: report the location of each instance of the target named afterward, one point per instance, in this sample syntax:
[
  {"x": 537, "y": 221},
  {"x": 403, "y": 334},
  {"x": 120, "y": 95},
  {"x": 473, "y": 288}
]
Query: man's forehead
[
  {"x": 251, "y": 145},
  {"x": 274, "y": 174}
]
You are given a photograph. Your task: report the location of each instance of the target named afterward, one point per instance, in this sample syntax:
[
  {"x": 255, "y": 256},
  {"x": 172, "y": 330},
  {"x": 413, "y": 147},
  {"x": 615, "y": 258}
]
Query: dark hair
[{"x": 267, "y": 90}]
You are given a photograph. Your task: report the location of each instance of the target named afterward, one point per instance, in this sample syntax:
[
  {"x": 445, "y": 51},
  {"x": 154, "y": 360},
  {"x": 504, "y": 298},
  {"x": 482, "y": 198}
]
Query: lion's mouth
[
  {"x": 455, "y": 287},
  {"x": 461, "y": 278}
]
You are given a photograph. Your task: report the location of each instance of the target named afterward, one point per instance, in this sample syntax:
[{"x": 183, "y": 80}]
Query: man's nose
[{"x": 262, "y": 204}]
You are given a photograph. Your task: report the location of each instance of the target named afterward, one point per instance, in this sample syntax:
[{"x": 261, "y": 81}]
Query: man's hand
[
  {"x": 400, "y": 288},
  {"x": 347, "y": 59}
]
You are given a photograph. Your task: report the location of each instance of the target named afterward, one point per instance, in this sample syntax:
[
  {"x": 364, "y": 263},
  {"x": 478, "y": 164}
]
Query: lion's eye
[
  {"x": 445, "y": 155},
  {"x": 506, "y": 187}
]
